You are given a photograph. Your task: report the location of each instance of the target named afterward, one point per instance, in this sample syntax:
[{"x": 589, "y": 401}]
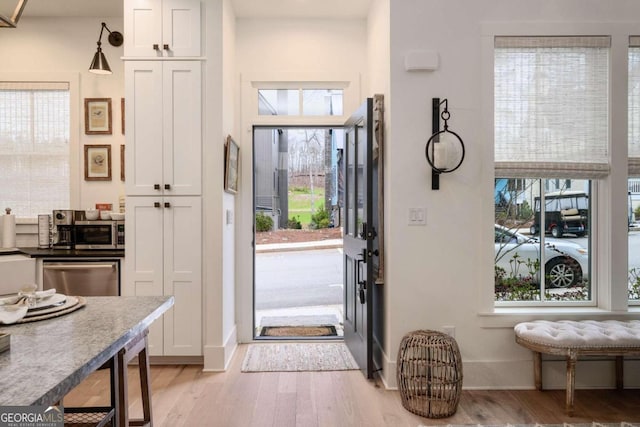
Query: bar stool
[{"x": 117, "y": 413}]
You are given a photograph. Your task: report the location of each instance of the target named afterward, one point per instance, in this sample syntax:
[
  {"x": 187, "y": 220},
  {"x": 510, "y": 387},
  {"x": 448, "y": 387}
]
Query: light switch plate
[{"x": 417, "y": 216}]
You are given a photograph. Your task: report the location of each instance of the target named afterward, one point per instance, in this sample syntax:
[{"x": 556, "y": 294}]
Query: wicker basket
[{"x": 429, "y": 373}]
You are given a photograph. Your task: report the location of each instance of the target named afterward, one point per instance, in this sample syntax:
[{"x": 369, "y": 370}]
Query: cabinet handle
[
  {"x": 156, "y": 186},
  {"x": 167, "y": 186},
  {"x": 156, "y": 204},
  {"x": 167, "y": 204},
  {"x": 166, "y": 47},
  {"x": 156, "y": 47}
]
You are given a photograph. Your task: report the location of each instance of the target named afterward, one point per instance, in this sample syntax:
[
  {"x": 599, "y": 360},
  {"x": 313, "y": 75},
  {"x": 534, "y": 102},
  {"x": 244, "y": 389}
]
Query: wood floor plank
[{"x": 186, "y": 396}]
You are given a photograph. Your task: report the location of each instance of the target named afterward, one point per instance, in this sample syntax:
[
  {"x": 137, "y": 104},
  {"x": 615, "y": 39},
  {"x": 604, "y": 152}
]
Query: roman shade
[{"x": 551, "y": 107}]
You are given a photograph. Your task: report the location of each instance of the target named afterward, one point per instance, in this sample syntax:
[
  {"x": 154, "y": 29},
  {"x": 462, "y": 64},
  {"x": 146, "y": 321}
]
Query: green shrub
[
  {"x": 294, "y": 223},
  {"x": 320, "y": 219},
  {"x": 263, "y": 222}
]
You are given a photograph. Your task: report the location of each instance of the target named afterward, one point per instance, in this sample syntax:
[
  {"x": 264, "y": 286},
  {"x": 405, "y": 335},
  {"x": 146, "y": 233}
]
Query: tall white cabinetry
[{"x": 164, "y": 167}]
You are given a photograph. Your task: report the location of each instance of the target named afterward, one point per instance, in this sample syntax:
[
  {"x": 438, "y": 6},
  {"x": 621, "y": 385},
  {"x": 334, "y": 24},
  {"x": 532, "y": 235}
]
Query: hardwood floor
[{"x": 185, "y": 396}]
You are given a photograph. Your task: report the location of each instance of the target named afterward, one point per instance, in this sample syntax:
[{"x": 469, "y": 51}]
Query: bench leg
[
  {"x": 537, "y": 369},
  {"x": 619, "y": 372},
  {"x": 571, "y": 382}
]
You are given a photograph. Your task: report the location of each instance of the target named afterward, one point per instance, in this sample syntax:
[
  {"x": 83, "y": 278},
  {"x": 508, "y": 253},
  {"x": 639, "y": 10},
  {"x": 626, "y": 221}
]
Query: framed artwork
[
  {"x": 122, "y": 114},
  {"x": 97, "y": 116},
  {"x": 231, "y": 157},
  {"x": 97, "y": 163},
  {"x": 122, "y": 162}
]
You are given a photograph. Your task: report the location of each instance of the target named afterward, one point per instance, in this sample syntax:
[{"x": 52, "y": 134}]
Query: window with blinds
[
  {"x": 634, "y": 106},
  {"x": 551, "y": 105},
  {"x": 34, "y": 147}
]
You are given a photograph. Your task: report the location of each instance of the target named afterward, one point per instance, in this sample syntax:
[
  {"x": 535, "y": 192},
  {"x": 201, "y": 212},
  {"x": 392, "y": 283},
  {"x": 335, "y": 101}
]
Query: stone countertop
[
  {"x": 50, "y": 357},
  {"x": 72, "y": 253}
]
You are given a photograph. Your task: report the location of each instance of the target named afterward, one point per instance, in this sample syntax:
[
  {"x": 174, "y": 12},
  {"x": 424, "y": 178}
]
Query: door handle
[
  {"x": 362, "y": 284},
  {"x": 156, "y": 47},
  {"x": 79, "y": 267},
  {"x": 156, "y": 204},
  {"x": 167, "y": 186},
  {"x": 156, "y": 186},
  {"x": 167, "y": 204},
  {"x": 166, "y": 47}
]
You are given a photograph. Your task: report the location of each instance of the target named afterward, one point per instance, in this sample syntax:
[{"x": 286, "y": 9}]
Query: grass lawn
[{"x": 300, "y": 203}]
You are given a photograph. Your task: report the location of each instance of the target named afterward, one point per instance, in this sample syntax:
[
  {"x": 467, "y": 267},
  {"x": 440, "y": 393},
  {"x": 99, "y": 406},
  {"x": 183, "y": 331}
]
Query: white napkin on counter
[{"x": 14, "y": 307}]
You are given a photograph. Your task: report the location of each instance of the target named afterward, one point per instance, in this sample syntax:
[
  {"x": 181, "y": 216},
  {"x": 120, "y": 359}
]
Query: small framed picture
[
  {"x": 97, "y": 163},
  {"x": 122, "y": 162},
  {"x": 231, "y": 156},
  {"x": 122, "y": 114},
  {"x": 97, "y": 116}
]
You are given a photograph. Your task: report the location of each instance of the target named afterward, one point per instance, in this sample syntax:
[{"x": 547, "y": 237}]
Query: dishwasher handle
[{"x": 79, "y": 267}]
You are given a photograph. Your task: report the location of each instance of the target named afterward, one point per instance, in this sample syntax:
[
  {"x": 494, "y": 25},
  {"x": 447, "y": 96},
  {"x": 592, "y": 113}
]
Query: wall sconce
[
  {"x": 99, "y": 65},
  {"x": 6, "y": 22},
  {"x": 445, "y": 149}
]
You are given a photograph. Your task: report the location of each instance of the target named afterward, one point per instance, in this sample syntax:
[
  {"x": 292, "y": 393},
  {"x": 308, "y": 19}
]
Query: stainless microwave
[{"x": 99, "y": 234}]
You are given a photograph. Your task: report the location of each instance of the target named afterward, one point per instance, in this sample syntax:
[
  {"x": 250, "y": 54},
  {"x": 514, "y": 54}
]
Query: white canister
[{"x": 8, "y": 229}]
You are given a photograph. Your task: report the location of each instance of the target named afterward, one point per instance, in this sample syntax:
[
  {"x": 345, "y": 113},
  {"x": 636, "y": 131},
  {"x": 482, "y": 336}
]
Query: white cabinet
[
  {"x": 164, "y": 257},
  {"x": 164, "y": 128},
  {"x": 162, "y": 28}
]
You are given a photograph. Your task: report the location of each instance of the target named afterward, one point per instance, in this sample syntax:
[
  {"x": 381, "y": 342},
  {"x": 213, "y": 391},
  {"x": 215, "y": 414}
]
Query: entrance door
[{"x": 359, "y": 234}]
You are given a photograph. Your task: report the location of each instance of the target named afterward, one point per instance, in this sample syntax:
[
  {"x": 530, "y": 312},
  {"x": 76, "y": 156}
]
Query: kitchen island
[{"x": 48, "y": 358}]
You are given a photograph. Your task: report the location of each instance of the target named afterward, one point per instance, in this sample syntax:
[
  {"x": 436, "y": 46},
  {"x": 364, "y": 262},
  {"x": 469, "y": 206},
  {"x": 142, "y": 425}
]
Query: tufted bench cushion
[
  {"x": 587, "y": 334},
  {"x": 574, "y": 338}
]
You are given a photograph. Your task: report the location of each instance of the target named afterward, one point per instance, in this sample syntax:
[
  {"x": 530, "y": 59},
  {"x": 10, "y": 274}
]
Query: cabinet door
[
  {"x": 182, "y": 127},
  {"x": 143, "y": 28},
  {"x": 183, "y": 276},
  {"x": 162, "y": 28},
  {"x": 144, "y": 150},
  {"x": 181, "y": 27},
  {"x": 143, "y": 266}
]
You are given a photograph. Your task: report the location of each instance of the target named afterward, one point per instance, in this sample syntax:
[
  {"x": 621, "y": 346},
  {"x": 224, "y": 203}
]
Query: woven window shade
[
  {"x": 634, "y": 106},
  {"x": 551, "y": 107},
  {"x": 34, "y": 146}
]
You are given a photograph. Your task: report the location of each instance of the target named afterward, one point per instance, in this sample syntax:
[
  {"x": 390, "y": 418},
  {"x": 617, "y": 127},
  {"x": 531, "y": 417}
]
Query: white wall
[
  {"x": 439, "y": 274},
  {"x": 67, "y": 45}
]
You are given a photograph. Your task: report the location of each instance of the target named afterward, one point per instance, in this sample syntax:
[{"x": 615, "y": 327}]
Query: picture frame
[
  {"x": 231, "y": 161},
  {"x": 97, "y": 163},
  {"x": 122, "y": 114},
  {"x": 97, "y": 116},
  {"x": 122, "y": 162}
]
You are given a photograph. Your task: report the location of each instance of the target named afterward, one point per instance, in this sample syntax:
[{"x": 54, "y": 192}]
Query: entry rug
[
  {"x": 594, "y": 424},
  {"x": 297, "y": 357},
  {"x": 299, "y": 331}
]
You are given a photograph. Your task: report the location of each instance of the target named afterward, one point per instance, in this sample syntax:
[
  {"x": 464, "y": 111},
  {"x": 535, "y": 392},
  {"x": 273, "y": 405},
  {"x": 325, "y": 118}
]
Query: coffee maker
[{"x": 62, "y": 230}]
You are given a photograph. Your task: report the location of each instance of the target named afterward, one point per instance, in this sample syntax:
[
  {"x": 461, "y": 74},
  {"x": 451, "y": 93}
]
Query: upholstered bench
[{"x": 584, "y": 338}]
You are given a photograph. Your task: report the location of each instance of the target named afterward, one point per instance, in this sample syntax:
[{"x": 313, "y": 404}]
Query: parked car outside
[{"x": 566, "y": 263}]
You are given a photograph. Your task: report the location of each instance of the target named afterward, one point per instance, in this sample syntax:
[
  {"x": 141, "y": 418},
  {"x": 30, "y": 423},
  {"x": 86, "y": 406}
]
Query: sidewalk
[{"x": 301, "y": 246}]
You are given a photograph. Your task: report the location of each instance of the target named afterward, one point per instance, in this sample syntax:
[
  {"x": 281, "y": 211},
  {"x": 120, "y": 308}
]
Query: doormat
[
  {"x": 299, "y": 331},
  {"x": 298, "y": 357}
]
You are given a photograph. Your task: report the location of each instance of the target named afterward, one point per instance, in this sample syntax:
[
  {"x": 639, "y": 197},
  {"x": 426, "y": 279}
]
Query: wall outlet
[{"x": 449, "y": 330}]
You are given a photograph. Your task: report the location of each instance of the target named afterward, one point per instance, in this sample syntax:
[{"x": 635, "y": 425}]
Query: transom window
[{"x": 300, "y": 102}]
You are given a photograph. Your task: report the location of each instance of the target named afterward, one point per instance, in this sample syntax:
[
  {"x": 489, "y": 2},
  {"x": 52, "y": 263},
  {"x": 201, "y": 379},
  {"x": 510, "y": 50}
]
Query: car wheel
[
  {"x": 533, "y": 230},
  {"x": 563, "y": 272},
  {"x": 556, "y": 232}
]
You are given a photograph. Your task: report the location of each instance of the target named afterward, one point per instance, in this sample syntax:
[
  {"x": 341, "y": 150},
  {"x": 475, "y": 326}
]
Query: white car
[{"x": 566, "y": 263}]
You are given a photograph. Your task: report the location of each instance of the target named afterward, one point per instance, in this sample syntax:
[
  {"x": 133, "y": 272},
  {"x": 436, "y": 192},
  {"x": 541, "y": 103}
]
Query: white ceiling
[{"x": 242, "y": 8}]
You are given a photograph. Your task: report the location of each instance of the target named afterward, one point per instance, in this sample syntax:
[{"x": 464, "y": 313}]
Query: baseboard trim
[
  {"x": 174, "y": 360},
  {"x": 218, "y": 358}
]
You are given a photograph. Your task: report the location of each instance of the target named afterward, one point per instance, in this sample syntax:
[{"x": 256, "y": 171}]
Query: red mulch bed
[{"x": 295, "y": 236}]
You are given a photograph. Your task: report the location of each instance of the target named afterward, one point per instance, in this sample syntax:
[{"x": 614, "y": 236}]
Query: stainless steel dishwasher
[{"x": 86, "y": 277}]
